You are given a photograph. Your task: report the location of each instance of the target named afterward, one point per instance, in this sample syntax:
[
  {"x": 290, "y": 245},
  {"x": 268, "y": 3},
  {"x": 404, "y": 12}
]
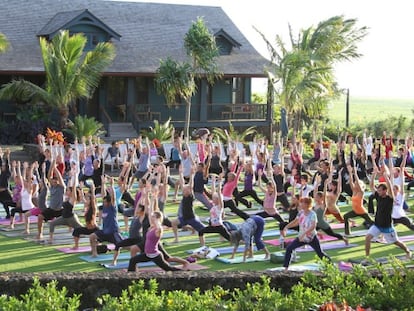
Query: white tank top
[{"x": 27, "y": 203}]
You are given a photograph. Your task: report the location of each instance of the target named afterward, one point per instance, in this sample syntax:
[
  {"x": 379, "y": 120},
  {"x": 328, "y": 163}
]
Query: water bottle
[{"x": 282, "y": 242}]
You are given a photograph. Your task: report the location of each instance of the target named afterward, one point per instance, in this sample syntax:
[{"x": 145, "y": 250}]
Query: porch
[{"x": 211, "y": 115}]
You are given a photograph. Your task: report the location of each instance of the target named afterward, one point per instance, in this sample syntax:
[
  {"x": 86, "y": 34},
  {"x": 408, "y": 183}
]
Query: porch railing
[{"x": 217, "y": 112}]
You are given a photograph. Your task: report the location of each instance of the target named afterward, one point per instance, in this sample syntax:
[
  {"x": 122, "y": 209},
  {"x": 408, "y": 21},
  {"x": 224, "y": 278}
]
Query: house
[{"x": 143, "y": 33}]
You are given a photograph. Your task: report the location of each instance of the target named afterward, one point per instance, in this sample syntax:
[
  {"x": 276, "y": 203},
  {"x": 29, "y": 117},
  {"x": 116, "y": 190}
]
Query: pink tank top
[{"x": 151, "y": 243}]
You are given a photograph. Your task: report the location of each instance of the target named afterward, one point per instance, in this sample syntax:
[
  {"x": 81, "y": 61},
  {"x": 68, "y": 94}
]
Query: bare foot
[
  {"x": 94, "y": 255},
  {"x": 186, "y": 267},
  {"x": 26, "y": 232},
  {"x": 346, "y": 241},
  {"x": 75, "y": 247},
  {"x": 409, "y": 255},
  {"x": 39, "y": 237},
  {"x": 175, "y": 241}
]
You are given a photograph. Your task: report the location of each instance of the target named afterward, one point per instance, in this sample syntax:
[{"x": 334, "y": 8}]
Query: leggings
[
  {"x": 245, "y": 193},
  {"x": 83, "y": 231},
  {"x": 72, "y": 222},
  {"x": 5, "y": 199},
  {"x": 330, "y": 232},
  {"x": 216, "y": 229},
  {"x": 352, "y": 214},
  {"x": 232, "y": 206},
  {"x": 314, "y": 243},
  {"x": 275, "y": 216},
  {"x": 158, "y": 260},
  {"x": 405, "y": 221}
]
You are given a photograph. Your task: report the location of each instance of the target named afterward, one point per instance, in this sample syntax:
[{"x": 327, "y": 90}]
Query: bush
[
  {"x": 384, "y": 288},
  {"x": 45, "y": 298}
]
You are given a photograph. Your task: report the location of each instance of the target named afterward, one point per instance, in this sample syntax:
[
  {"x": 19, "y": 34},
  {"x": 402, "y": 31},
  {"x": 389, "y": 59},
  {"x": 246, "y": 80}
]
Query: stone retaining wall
[{"x": 93, "y": 285}]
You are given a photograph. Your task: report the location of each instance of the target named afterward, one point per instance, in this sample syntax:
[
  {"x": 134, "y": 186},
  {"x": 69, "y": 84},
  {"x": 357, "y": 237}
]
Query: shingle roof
[
  {"x": 150, "y": 32},
  {"x": 64, "y": 20}
]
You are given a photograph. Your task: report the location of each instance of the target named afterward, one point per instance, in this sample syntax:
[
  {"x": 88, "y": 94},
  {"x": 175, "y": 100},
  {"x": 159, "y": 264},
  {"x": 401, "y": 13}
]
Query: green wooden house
[{"x": 143, "y": 33}]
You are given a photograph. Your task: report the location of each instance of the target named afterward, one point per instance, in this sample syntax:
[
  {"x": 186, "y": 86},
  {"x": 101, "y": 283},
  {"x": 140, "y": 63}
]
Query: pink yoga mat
[{"x": 276, "y": 242}]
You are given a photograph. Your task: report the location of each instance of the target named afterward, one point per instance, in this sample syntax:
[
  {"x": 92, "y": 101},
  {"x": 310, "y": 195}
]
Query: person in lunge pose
[{"x": 307, "y": 221}]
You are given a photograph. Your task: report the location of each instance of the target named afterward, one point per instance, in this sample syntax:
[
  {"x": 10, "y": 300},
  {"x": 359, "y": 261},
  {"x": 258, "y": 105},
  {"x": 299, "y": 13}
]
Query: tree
[
  {"x": 178, "y": 80},
  {"x": 4, "y": 44},
  {"x": 71, "y": 74},
  {"x": 303, "y": 72}
]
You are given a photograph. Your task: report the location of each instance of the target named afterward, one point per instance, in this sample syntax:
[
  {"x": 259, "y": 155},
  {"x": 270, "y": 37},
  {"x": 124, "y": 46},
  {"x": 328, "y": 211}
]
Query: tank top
[
  {"x": 216, "y": 216},
  {"x": 26, "y": 198},
  {"x": 151, "y": 243},
  {"x": 357, "y": 205},
  {"x": 269, "y": 203}
]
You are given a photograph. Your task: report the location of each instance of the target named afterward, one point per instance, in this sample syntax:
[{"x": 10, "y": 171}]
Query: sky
[{"x": 386, "y": 68}]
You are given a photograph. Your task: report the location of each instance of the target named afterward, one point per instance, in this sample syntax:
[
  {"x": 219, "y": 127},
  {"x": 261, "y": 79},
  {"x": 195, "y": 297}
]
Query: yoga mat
[
  {"x": 105, "y": 257},
  {"x": 326, "y": 246},
  {"x": 239, "y": 259},
  {"x": 337, "y": 225},
  {"x": 298, "y": 268},
  {"x": 404, "y": 238},
  {"x": 192, "y": 267},
  {"x": 6, "y": 222},
  {"x": 276, "y": 242},
  {"x": 81, "y": 249},
  {"x": 223, "y": 250},
  {"x": 357, "y": 233},
  {"x": 124, "y": 265}
]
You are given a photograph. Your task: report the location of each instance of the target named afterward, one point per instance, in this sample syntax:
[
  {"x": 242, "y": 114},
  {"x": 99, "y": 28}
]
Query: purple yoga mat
[
  {"x": 326, "y": 246},
  {"x": 276, "y": 242}
]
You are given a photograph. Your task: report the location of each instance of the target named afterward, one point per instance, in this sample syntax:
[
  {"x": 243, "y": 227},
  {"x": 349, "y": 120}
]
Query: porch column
[{"x": 203, "y": 101}]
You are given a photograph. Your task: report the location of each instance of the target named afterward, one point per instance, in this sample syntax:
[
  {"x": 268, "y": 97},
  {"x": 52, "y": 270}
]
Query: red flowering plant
[{"x": 56, "y": 136}]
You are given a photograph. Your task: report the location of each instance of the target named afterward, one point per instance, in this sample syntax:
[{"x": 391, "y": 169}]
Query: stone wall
[{"x": 93, "y": 285}]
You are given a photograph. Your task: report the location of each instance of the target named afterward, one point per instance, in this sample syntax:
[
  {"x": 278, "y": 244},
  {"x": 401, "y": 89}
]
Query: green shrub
[{"x": 45, "y": 298}]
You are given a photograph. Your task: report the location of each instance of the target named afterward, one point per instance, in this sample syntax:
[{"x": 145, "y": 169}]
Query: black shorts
[{"x": 50, "y": 214}]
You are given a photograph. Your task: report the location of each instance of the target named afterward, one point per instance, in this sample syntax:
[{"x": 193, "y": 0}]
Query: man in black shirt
[{"x": 383, "y": 219}]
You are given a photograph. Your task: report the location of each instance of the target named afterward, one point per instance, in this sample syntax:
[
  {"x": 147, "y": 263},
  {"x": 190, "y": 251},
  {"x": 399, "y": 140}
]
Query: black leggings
[
  {"x": 245, "y": 193},
  {"x": 5, "y": 199},
  {"x": 232, "y": 206},
  {"x": 275, "y": 216},
  {"x": 215, "y": 229},
  {"x": 330, "y": 232},
  {"x": 159, "y": 261},
  {"x": 405, "y": 221},
  {"x": 83, "y": 231},
  {"x": 352, "y": 214}
]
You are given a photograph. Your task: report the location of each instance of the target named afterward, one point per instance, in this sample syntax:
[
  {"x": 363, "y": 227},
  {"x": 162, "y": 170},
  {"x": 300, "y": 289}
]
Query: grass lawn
[
  {"x": 364, "y": 110},
  {"x": 20, "y": 255}
]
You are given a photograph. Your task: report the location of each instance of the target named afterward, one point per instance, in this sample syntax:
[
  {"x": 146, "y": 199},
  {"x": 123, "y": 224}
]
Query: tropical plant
[
  {"x": 177, "y": 80},
  {"x": 4, "y": 44},
  {"x": 85, "y": 127},
  {"x": 303, "y": 73},
  {"x": 232, "y": 134},
  {"x": 71, "y": 74},
  {"x": 161, "y": 132}
]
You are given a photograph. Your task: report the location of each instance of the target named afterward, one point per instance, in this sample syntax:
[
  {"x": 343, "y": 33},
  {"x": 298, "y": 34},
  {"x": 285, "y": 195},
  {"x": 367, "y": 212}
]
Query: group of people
[{"x": 65, "y": 176}]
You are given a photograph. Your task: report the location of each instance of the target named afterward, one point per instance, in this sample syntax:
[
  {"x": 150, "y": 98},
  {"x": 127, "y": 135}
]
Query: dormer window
[
  {"x": 81, "y": 21},
  {"x": 225, "y": 42}
]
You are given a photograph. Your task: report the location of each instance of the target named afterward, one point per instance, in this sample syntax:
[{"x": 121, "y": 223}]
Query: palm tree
[
  {"x": 177, "y": 80},
  {"x": 303, "y": 73},
  {"x": 70, "y": 73},
  {"x": 4, "y": 44}
]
